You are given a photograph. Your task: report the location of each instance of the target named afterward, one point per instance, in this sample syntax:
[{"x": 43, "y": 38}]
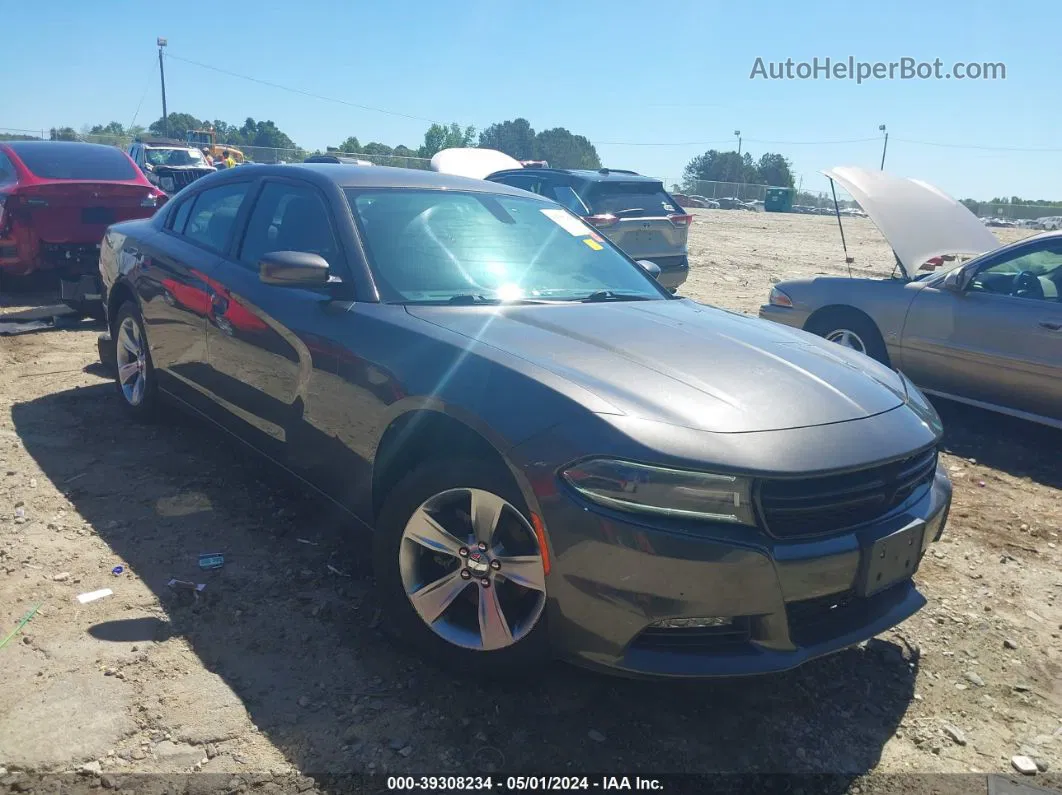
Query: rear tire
[
  {"x": 133, "y": 370},
  {"x": 413, "y": 561},
  {"x": 852, "y": 329}
]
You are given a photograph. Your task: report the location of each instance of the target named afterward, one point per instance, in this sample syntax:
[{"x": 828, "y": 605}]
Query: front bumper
[
  {"x": 791, "y": 600},
  {"x": 786, "y": 315}
]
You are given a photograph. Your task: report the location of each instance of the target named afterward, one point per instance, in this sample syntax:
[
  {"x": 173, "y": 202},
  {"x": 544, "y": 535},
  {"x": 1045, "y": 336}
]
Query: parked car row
[
  {"x": 546, "y": 451},
  {"x": 1047, "y": 223}
]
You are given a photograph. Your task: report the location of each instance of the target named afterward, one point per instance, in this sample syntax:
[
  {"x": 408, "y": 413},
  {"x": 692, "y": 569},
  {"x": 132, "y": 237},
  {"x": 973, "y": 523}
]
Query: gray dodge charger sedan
[{"x": 551, "y": 454}]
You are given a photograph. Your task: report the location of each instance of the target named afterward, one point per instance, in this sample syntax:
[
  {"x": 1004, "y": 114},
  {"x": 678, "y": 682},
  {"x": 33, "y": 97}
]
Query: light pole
[
  {"x": 884, "y": 146},
  {"x": 162, "y": 74},
  {"x": 738, "y": 134}
]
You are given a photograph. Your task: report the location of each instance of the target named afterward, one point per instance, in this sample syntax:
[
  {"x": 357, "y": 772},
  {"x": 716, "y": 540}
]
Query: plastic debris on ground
[
  {"x": 20, "y": 625},
  {"x": 92, "y": 596},
  {"x": 211, "y": 560}
]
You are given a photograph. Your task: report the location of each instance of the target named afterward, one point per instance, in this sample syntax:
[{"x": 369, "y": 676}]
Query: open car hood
[
  {"x": 919, "y": 220},
  {"x": 472, "y": 162}
]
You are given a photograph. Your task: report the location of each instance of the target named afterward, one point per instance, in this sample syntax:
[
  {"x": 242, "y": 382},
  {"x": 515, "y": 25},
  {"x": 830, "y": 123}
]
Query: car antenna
[{"x": 837, "y": 209}]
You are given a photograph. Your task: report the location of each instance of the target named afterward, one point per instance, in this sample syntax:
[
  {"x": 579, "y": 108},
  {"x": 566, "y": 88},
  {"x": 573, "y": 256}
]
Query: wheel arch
[
  {"x": 814, "y": 323},
  {"x": 425, "y": 432},
  {"x": 121, "y": 292}
]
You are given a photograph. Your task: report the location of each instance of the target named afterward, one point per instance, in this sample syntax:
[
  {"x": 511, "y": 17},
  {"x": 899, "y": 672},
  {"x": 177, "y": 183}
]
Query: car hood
[
  {"x": 919, "y": 220},
  {"x": 472, "y": 162},
  {"x": 684, "y": 363}
]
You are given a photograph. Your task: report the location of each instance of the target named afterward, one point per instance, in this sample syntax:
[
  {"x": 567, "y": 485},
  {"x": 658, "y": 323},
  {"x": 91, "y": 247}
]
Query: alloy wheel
[
  {"x": 847, "y": 338},
  {"x": 472, "y": 569},
  {"x": 131, "y": 354}
]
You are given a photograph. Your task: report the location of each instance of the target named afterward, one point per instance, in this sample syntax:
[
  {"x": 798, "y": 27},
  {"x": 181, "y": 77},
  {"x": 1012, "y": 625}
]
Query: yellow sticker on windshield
[{"x": 593, "y": 244}]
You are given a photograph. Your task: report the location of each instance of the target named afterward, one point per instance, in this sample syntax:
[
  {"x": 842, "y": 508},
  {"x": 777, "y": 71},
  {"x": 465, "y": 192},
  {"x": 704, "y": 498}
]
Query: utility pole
[
  {"x": 162, "y": 74},
  {"x": 738, "y": 134},
  {"x": 884, "y": 146}
]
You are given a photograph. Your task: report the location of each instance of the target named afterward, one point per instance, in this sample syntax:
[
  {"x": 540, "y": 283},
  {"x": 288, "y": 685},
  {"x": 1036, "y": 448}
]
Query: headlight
[
  {"x": 921, "y": 406},
  {"x": 676, "y": 493},
  {"x": 778, "y": 298},
  {"x": 167, "y": 183}
]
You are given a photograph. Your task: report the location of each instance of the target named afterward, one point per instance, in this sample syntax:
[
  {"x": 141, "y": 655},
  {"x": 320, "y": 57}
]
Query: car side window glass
[
  {"x": 213, "y": 215},
  {"x": 179, "y": 217},
  {"x": 1034, "y": 272},
  {"x": 289, "y": 217},
  {"x": 7, "y": 170}
]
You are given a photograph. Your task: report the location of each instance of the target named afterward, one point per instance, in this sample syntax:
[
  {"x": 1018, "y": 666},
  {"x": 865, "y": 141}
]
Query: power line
[
  {"x": 300, "y": 91},
  {"x": 983, "y": 148},
  {"x": 730, "y": 141},
  {"x": 608, "y": 143},
  {"x": 147, "y": 87}
]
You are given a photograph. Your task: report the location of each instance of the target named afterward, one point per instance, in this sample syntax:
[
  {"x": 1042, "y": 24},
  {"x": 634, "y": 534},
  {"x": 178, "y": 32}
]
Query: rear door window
[
  {"x": 213, "y": 216},
  {"x": 630, "y": 199},
  {"x": 179, "y": 217},
  {"x": 55, "y": 160}
]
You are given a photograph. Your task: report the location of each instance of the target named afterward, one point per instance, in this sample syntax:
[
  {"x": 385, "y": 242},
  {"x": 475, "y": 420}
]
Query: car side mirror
[
  {"x": 649, "y": 267},
  {"x": 293, "y": 269},
  {"x": 953, "y": 282}
]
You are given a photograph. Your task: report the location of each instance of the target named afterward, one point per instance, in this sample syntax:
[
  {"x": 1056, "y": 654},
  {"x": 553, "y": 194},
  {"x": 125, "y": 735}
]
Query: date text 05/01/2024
[{"x": 521, "y": 783}]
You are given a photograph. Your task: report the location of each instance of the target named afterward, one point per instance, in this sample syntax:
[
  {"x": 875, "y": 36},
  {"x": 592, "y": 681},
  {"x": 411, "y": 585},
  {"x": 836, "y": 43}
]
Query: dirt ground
[{"x": 278, "y": 671}]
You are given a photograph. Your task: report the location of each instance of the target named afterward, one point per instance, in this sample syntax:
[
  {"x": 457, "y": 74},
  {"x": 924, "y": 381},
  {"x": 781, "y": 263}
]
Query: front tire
[
  {"x": 851, "y": 329},
  {"x": 460, "y": 570},
  {"x": 133, "y": 369}
]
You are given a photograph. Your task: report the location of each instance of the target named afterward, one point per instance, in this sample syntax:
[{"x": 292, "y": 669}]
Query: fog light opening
[{"x": 703, "y": 622}]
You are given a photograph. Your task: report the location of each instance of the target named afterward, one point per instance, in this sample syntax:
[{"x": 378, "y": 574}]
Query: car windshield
[
  {"x": 436, "y": 246},
  {"x": 60, "y": 160},
  {"x": 158, "y": 156},
  {"x": 630, "y": 199}
]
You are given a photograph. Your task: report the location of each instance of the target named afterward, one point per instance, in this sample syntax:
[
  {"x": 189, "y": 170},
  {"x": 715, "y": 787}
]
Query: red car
[{"x": 57, "y": 199}]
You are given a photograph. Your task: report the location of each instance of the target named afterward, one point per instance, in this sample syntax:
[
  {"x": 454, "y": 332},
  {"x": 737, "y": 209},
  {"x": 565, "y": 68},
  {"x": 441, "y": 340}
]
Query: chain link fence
[
  {"x": 1041, "y": 216},
  {"x": 748, "y": 192},
  {"x": 1037, "y": 216}
]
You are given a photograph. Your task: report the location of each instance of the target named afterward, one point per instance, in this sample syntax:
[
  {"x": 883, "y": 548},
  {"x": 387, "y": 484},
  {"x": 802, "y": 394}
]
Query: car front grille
[
  {"x": 184, "y": 176},
  {"x": 695, "y": 640},
  {"x": 807, "y": 507}
]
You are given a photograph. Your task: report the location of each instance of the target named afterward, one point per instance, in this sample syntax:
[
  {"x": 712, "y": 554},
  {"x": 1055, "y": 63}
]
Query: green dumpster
[{"x": 778, "y": 200}]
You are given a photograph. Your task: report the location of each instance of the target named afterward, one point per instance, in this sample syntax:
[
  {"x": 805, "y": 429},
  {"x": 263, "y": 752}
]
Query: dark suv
[{"x": 632, "y": 211}]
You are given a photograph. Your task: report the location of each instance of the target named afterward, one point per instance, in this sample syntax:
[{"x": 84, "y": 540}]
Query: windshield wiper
[
  {"x": 469, "y": 299},
  {"x": 608, "y": 295},
  {"x": 629, "y": 210}
]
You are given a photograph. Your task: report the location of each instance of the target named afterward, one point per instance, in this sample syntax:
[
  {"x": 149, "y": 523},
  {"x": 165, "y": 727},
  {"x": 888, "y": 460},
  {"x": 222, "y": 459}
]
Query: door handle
[{"x": 1050, "y": 325}]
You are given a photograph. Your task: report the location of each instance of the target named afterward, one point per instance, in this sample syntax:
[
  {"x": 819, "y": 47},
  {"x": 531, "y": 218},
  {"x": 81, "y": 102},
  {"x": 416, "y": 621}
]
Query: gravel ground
[{"x": 278, "y": 671}]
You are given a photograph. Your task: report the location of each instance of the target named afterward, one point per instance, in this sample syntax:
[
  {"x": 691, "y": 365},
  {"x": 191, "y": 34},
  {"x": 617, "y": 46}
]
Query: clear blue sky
[{"x": 617, "y": 72}]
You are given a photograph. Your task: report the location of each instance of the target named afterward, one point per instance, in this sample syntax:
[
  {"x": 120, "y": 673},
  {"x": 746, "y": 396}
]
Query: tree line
[
  {"x": 714, "y": 166},
  {"x": 515, "y": 138}
]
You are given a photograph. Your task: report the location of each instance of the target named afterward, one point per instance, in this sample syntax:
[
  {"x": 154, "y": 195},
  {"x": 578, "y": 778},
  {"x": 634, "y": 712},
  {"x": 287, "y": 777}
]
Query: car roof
[
  {"x": 376, "y": 177},
  {"x": 589, "y": 175}
]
